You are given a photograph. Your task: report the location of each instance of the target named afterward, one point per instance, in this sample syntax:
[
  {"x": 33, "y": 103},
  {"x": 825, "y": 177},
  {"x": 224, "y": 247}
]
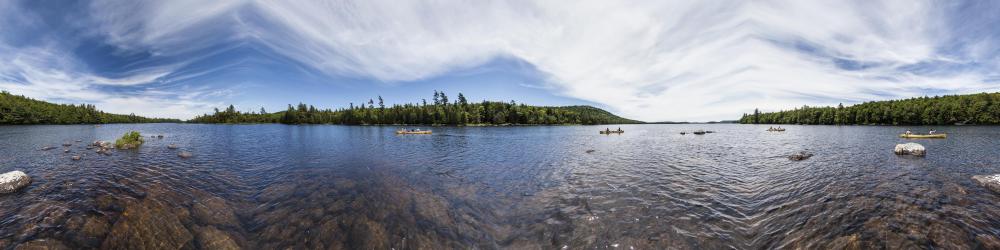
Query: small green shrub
[{"x": 130, "y": 140}]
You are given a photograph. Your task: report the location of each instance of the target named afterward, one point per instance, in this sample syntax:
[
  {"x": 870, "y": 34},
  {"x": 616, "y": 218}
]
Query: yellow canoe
[
  {"x": 404, "y": 132},
  {"x": 934, "y": 136}
]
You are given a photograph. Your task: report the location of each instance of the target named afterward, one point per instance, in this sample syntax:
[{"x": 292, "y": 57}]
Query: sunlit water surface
[{"x": 278, "y": 186}]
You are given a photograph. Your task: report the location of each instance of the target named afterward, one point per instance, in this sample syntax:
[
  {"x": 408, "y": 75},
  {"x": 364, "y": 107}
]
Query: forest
[
  {"x": 441, "y": 111},
  {"x": 16, "y": 109},
  {"x": 982, "y": 109}
]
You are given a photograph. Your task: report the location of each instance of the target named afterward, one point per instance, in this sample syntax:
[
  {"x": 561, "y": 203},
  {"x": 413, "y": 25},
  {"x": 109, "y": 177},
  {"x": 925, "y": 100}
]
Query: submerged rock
[
  {"x": 49, "y": 244},
  {"x": 800, "y": 156},
  {"x": 212, "y": 238},
  {"x": 47, "y": 148},
  {"x": 214, "y": 211},
  {"x": 67, "y": 144},
  {"x": 148, "y": 225},
  {"x": 910, "y": 149},
  {"x": 185, "y": 154},
  {"x": 12, "y": 181},
  {"x": 991, "y": 182}
]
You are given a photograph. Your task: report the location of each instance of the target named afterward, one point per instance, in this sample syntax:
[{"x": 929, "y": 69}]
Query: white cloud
[
  {"x": 45, "y": 73},
  {"x": 651, "y": 60},
  {"x": 658, "y": 60}
]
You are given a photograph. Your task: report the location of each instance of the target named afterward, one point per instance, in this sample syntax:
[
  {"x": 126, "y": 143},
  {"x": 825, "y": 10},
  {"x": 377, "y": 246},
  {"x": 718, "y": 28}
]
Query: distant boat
[
  {"x": 776, "y": 130},
  {"x": 608, "y": 132},
  {"x": 413, "y": 132},
  {"x": 916, "y": 136},
  {"x": 699, "y": 132}
]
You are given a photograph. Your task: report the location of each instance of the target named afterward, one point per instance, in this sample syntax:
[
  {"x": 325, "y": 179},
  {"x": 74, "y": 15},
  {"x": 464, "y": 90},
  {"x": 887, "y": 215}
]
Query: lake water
[{"x": 359, "y": 187}]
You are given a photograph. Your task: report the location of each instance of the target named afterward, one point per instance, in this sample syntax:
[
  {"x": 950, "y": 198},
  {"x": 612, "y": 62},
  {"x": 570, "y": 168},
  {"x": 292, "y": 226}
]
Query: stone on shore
[
  {"x": 12, "y": 181},
  {"x": 910, "y": 149},
  {"x": 991, "y": 182}
]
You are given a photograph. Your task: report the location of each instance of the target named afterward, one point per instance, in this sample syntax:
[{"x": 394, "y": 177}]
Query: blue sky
[{"x": 648, "y": 60}]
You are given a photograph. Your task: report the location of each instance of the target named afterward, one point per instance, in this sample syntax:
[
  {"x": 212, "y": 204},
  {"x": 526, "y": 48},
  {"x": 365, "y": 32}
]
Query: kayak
[
  {"x": 605, "y": 132},
  {"x": 934, "y": 136},
  {"x": 404, "y": 132}
]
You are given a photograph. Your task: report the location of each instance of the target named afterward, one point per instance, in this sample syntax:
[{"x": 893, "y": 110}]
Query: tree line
[
  {"x": 983, "y": 108},
  {"x": 17, "y": 109},
  {"x": 441, "y": 111}
]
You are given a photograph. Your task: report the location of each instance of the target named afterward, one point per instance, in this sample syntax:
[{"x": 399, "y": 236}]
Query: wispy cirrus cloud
[
  {"x": 676, "y": 60},
  {"x": 659, "y": 60}
]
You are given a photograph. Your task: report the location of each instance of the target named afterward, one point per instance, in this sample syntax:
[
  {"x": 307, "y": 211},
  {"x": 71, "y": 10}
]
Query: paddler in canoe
[{"x": 932, "y": 134}]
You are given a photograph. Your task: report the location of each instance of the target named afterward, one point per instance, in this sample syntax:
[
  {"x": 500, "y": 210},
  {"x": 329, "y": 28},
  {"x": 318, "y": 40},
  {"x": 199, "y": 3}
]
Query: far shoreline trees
[
  {"x": 981, "y": 109},
  {"x": 441, "y": 111},
  {"x": 17, "y": 109}
]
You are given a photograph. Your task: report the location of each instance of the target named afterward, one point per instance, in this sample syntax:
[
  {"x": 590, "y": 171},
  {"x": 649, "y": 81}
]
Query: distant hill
[
  {"x": 983, "y": 108},
  {"x": 16, "y": 109},
  {"x": 439, "y": 112}
]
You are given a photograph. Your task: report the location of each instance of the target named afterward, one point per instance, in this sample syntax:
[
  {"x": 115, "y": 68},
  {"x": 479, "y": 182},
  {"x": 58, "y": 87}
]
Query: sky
[{"x": 648, "y": 60}]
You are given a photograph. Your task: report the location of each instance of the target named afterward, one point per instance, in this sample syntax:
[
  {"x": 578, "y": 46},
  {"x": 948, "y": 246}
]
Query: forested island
[
  {"x": 441, "y": 111},
  {"x": 982, "y": 109},
  {"x": 16, "y": 109}
]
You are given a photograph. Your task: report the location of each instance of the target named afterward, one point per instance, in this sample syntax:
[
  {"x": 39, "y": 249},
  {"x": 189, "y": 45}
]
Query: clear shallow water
[{"x": 277, "y": 186}]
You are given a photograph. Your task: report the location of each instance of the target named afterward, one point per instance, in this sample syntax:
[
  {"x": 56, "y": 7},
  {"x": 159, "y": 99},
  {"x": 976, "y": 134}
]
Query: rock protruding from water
[
  {"x": 800, "y": 156},
  {"x": 47, "y": 148},
  {"x": 12, "y": 181},
  {"x": 172, "y": 146},
  {"x": 76, "y": 158},
  {"x": 991, "y": 182},
  {"x": 185, "y": 154},
  {"x": 910, "y": 149}
]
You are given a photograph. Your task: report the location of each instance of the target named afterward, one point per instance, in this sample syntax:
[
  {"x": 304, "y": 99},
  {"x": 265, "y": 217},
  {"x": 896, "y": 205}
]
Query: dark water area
[{"x": 561, "y": 187}]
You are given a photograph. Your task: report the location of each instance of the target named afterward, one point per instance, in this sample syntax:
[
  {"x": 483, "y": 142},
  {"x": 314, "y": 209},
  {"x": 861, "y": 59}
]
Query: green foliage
[
  {"x": 441, "y": 112},
  {"x": 983, "y": 108},
  {"x": 15, "y": 109},
  {"x": 130, "y": 140}
]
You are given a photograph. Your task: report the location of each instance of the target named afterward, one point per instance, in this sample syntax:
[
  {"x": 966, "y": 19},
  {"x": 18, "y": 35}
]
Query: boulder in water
[
  {"x": 12, "y": 181},
  {"x": 67, "y": 144},
  {"x": 185, "y": 154},
  {"x": 172, "y": 146},
  {"x": 991, "y": 182},
  {"x": 800, "y": 156},
  {"x": 76, "y": 158},
  {"x": 47, "y": 148},
  {"x": 910, "y": 149}
]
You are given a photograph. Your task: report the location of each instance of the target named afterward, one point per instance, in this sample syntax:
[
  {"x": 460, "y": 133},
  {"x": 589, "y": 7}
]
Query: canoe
[
  {"x": 404, "y": 132},
  {"x": 934, "y": 136},
  {"x": 604, "y": 132}
]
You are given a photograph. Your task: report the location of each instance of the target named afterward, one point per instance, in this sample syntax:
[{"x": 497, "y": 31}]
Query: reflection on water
[{"x": 341, "y": 187}]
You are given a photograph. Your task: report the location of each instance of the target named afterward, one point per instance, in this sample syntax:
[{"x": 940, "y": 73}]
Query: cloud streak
[
  {"x": 665, "y": 60},
  {"x": 650, "y": 60}
]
